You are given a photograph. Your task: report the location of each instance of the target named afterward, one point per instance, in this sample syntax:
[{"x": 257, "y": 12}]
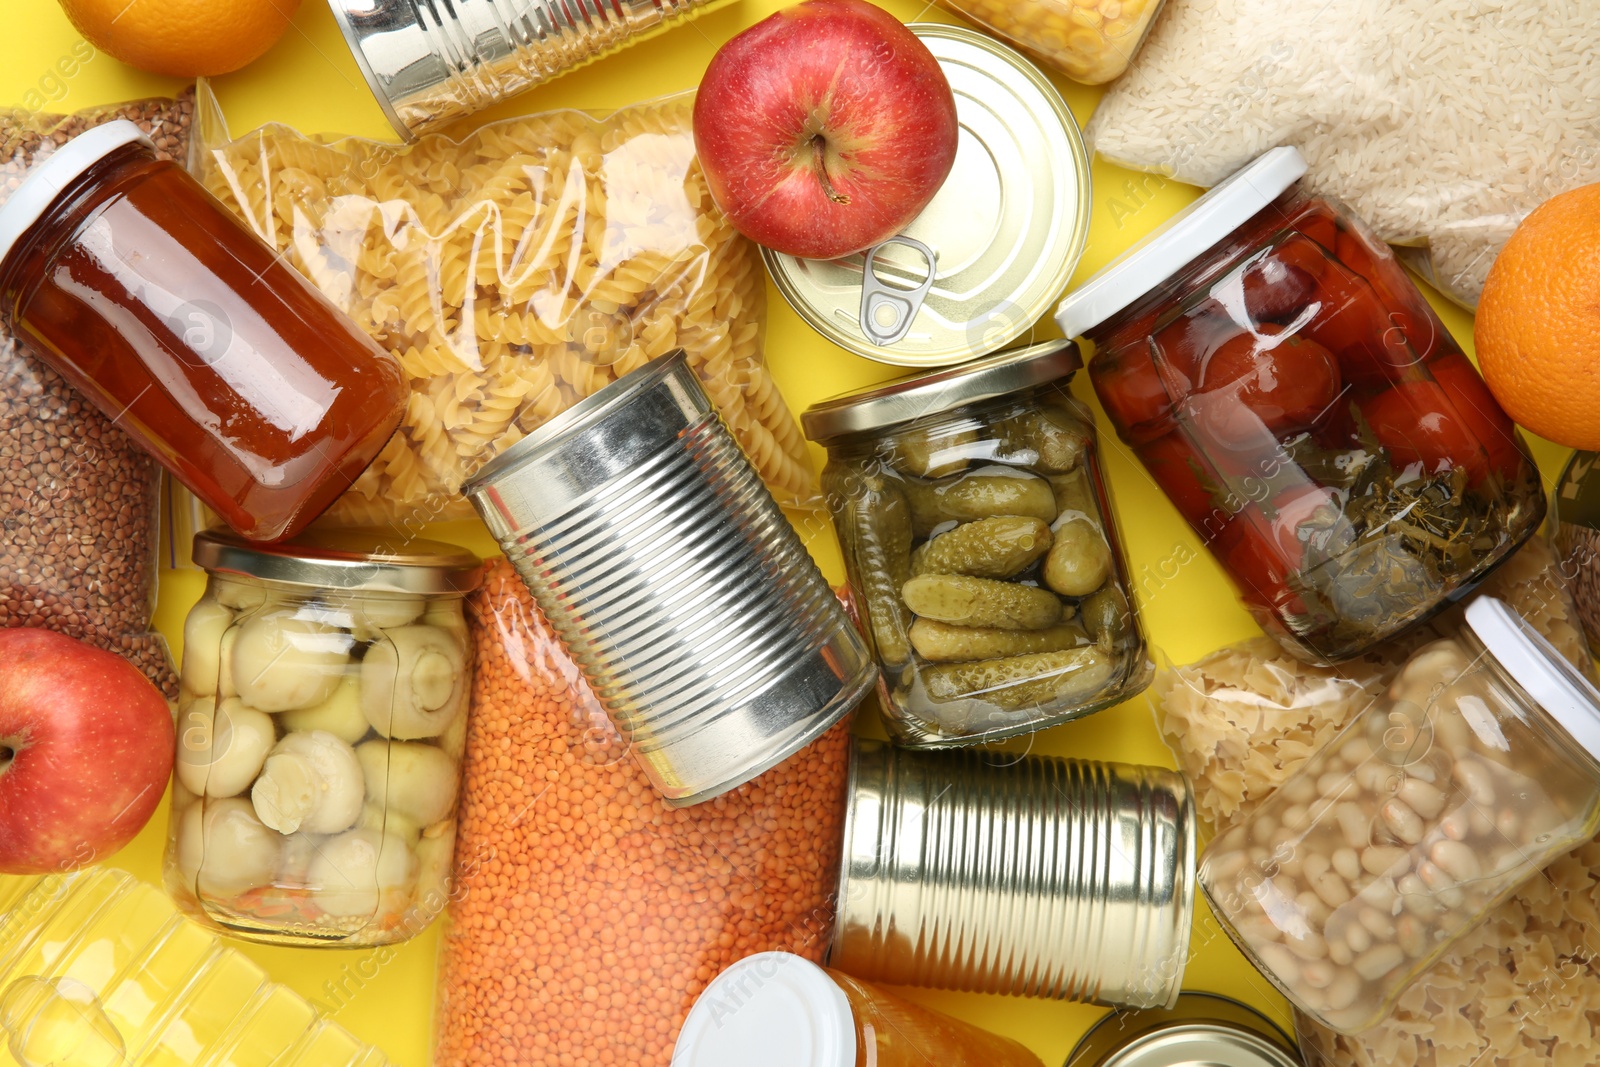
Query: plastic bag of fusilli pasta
[{"x": 514, "y": 271}]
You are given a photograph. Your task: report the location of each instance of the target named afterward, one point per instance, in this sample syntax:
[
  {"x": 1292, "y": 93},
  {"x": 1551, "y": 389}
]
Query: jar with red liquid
[
  {"x": 1293, "y": 394},
  {"x": 192, "y": 335}
]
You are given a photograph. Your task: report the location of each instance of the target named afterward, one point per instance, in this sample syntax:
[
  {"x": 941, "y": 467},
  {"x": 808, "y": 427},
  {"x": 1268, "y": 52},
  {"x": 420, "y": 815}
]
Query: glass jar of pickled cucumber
[
  {"x": 982, "y": 554},
  {"x": 321, "y": 719},
  {"x": 1477, "y": 767}
]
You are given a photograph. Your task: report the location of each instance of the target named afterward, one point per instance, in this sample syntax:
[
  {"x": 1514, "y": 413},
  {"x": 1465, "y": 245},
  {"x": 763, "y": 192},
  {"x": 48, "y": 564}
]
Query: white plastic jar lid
[
  {"x": 65, "y": 165},
  {"x": 1180, "y": 240},
  {"x": 1535, "y": 665},
  {"x": 775, "y": 1009}
]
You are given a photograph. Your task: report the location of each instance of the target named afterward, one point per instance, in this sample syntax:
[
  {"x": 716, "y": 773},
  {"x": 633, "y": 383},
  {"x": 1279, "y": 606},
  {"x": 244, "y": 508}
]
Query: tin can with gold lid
[
  {"x": 1200, "y": 1030},
  {"x": 997, "y": 245}
]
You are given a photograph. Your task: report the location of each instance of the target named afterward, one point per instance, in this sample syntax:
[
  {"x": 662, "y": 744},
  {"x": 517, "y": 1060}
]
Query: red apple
[
  {"x": 86, "y": 746},
  {"x": 825, "y": 128}
]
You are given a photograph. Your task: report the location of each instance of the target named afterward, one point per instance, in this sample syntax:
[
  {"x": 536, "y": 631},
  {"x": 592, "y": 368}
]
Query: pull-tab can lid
[
  {"x": 775, "y": 1009},
  {"x": 1005, "y": 231}
]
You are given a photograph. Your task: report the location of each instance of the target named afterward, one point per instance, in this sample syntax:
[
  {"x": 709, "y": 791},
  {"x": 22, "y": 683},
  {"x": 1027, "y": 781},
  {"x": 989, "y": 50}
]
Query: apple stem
[
  {"x": 819, "y": 146},
  {"x": 7, "y": 753}
]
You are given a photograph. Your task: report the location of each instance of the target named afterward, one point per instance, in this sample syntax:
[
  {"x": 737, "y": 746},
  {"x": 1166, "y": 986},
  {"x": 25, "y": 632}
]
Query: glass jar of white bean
[{"x": 1477, "y": 767}]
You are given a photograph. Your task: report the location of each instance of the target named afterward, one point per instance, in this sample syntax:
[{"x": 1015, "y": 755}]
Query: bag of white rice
[{"x": 1442, "y": 123}]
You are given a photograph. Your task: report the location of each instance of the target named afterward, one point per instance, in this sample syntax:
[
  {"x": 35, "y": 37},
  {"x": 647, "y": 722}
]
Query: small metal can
[
  {"x": 681, "y": 591},
  {"x": 990, "y": 872},
  {"x": 429, "y": 63},
  {"x": 992, "y": 251},
  {"x": 1200, "y": 1029}
]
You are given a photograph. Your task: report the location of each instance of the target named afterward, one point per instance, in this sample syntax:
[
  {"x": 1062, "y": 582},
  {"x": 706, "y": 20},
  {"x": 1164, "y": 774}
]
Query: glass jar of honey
[{"x": 194, "y": 337}]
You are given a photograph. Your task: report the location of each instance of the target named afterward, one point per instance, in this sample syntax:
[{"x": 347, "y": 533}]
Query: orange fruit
[
  {"x": 183, "y": 38},
  {"x": 1538, "y": 325}
]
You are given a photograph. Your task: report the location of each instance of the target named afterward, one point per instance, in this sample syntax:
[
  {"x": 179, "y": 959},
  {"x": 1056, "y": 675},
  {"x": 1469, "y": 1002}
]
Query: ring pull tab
[{"x": 887, "y": 312}]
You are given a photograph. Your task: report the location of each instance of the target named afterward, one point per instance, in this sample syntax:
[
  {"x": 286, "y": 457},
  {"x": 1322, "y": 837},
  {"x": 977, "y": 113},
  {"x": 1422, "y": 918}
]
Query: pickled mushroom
[
  {"x": 281, "y": 663},
  {"x": 224, "y": 850},
  {"x": 352, "y": 871},
  {"x": 311, "y": 781},
  {"x": 203, "y": 633},
  {"x": 221, "y": 749},
  {"x": 417, "y": 782},
  {"x": 340, "y": 715},
  {"x": 413, "y": 682}
]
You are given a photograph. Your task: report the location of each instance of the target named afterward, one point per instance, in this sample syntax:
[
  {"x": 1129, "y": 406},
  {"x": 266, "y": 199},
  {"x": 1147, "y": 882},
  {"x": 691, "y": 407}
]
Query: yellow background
[{"x": 310, "y": 81}]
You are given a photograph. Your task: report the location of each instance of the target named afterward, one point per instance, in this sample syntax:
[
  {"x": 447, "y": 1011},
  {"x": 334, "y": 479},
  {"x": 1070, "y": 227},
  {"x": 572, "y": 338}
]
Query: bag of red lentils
[
  {"x": 79, "y": 502},
  {"x": 587, "y": 914}
]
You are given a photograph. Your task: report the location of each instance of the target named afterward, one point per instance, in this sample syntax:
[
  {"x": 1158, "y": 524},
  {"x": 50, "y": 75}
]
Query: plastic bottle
[{"x": 99, "y": 970}]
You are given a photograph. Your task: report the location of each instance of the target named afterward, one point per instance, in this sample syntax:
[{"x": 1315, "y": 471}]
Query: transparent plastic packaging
[
  {"x": 1090, "y": 41},
  {"x": 982, "y": 552},
  {"x": 1317, "y": 426},
  {"x": 98, "y": 970},
  {"x": 79, "y": 505},
  {"x": 1406, "y": 110},
  {"x": 587, "y": 913},
  {"x": 320, "y": 732},
  {"x": 1436, "y": 803},
  {"x": 514, "y": 273},
  {"x": 780, "y": 1010}
]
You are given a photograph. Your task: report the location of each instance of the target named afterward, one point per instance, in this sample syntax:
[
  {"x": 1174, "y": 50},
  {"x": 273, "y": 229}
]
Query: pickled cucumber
[
  {"x": 1106, "y": 616},
  {"x": 932, "y": 453},
  {"x": 1017, "y": 682},
  {"x": 979, "y": 494},
  {"x": 1073, "y": 493},
  {"x": 1079, "y": 562},
  {"x": 879, "y": 527},
  {"x": 965, "y": 601},
  {"x": 999, "y": 547},
  {"x": 1050, "y": 439},
  {"x": 939, "y": 642}
]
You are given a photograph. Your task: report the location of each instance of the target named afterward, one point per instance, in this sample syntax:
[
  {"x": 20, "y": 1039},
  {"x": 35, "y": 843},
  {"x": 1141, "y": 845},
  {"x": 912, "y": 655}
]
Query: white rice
[{"x": 1440, "y": 122}]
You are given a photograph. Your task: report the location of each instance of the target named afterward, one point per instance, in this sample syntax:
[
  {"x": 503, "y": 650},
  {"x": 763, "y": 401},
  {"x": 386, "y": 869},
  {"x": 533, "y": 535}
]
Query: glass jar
[
  {"x": 1090, "y": 41},
  {"x": 980, "y": 547},
  {"x": 321, "y": 719},
  {"x": 209, "y": 349},
  {"x": 1475, "y": 768},
  {"x": 1306, "y": 411},
  {"x": 782, "y": 1010}
]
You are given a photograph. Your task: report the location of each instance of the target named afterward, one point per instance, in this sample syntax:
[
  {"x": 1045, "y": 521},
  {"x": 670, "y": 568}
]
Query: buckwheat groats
[
  {"x": 78, "y": 501},
  {"x": 587, "y": 914}
]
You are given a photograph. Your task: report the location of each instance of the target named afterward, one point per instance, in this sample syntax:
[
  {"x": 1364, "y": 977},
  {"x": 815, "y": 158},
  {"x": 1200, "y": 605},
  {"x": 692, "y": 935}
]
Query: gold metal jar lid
[
  {"x": 917, "y": 396},
  {"x": 1006, "y": 229},
  {"x": 1201, "y": 1030},
  {"x": 376, "y": 560}
]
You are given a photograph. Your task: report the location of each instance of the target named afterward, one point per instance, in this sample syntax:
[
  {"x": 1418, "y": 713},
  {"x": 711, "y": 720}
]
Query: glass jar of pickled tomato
[
  {"x": 1478, "y": 766},
  {"x": 1305, "y": 410},
  {"x": 192, "y": 335},
  {"x": 781, "y": 1010},
  {"x": 981, "y": 549}
]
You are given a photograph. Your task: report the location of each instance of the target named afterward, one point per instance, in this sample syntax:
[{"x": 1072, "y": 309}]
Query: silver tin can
[
  {"x": 431, "y": 61},
  {"x": 990, "y": 872},
  {"x": 1200, "y": 1029},
  {"x": 679, "y": 588}
]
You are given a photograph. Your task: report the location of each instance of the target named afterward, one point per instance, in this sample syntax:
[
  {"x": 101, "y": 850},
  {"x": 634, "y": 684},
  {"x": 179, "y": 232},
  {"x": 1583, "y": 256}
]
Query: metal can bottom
[
  {"x": 1201, "y": 1028},
  {"x": 840, "y": 657}
]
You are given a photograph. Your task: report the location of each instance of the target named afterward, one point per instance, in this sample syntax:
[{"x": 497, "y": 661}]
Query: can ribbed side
[{"x": 1027, "y": 875}]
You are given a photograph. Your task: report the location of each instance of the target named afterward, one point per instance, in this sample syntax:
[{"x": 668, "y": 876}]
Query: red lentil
[{"x": 587, "y": 914}]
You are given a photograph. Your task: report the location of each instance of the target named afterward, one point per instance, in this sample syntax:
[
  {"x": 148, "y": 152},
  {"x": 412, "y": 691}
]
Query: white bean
[
  {"x": 1457, "y": 824},
  {"x": 1377, "y": 923},
  {"x": 1385, "y": 860},
  {"x": 1356, "y": 751},
  {"x": 1340, "y": 953},
  {"x": 1482, "y": 822},
  {"x": 1281, "y": 962},
  {"x": 1508, "y": 824},
  {"x": 1301, "y": 790},
  {"x": 1443, "y": 886},
  {"x": 1319, "y": 974},
  {"x": 1312, "y": 907},
  {"x": 1310, "y": 947},
  {"x": 1379, "y": 961},
  {"x": 1456, "y": 859},
  {"x": 1296, "y": 818},
  {"x": 1402, "y": 821},
  {"x": 1381, "y": 894},
  {"x": 1357, "y": 937},
  {"x": 1411, "y": 936},
  {"x": 1261, "y": 829},
  {"x": 1331, "y": 888},
  {"x": 1343, "y": 991},
  {"x": 1354, "y": 823},
  {"x": 1332, "y": 783},
  {"x": 1348, "y": 864},
  {"x": 1421, "y": 798},
  {"x": 1475, "y": 781},
  {"x": 1315, "y": 864}
]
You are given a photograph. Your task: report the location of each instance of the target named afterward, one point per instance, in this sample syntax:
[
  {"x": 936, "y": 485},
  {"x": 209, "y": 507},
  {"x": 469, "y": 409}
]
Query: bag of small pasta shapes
[
  {"x": 1521, "y": 988},
  {"x": 586, "y": 913},
  {"x": 514, "y": 272}
]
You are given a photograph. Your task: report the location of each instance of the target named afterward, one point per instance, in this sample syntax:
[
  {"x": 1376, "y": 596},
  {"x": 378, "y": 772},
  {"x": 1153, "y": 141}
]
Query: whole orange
[
  {"x": 1538, "y": 325},
  {"x": 183, "y": 38}
]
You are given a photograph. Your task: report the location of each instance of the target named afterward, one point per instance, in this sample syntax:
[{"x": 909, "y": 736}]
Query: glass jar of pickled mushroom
[
  {"x": 781, "y": 1010},
  {"x": 1090, "y": 41},
  {"x": 1305, "y": 410},
  {"x": 321, "y": 719},
  {"x": 1478, "y": 766},
  {"x": 981, "y": 550}
]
